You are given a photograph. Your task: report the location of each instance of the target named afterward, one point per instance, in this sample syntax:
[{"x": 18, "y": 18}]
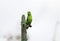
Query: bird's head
[{"x": 29, "y": 13}]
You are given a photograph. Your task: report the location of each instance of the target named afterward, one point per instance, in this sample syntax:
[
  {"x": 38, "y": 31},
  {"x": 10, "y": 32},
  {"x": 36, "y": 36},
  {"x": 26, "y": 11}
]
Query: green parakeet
[{"x": 29, "y": 20}]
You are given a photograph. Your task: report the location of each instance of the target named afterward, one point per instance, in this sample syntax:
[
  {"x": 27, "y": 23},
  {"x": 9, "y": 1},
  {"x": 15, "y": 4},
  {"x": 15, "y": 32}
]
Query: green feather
[{"x": 29, "y": 19}]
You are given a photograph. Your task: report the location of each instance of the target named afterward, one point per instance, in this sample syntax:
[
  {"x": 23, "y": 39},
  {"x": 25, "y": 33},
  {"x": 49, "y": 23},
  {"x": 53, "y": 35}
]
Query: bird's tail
[{"x": 30, "y": 25}]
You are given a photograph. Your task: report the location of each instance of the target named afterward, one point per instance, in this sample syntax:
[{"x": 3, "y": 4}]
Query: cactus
[{"x": 23, "y": 29}]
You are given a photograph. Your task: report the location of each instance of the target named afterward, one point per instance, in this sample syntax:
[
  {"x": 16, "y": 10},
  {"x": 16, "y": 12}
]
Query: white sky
[{"x": 45, "y": 15}]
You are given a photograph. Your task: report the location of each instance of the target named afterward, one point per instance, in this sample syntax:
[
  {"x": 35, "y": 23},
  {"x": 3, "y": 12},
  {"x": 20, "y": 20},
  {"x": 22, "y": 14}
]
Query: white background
[{"x": 45, "y": 14}]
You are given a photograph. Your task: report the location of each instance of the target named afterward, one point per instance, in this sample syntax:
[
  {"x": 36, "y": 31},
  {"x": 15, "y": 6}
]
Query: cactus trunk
[{"x": 23, "y": 29}]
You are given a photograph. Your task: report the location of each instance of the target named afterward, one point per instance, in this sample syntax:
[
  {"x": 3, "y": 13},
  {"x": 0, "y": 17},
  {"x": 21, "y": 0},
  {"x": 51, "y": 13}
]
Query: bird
[{"x": 29, "y": 20}]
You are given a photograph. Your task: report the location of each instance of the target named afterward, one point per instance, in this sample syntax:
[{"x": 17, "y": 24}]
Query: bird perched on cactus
[{"x": 29, "y": 20}]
